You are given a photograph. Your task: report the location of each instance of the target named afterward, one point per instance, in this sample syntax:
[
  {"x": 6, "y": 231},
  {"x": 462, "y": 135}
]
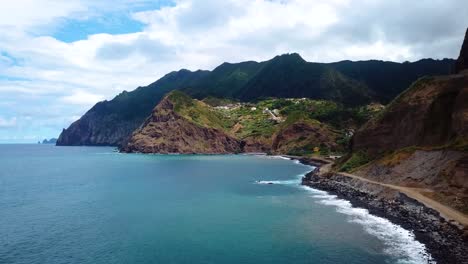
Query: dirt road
[{"x": 415, "y": 193}]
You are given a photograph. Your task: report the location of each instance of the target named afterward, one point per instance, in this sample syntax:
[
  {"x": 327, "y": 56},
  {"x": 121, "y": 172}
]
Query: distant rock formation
[{"x": 49, "y": 141}]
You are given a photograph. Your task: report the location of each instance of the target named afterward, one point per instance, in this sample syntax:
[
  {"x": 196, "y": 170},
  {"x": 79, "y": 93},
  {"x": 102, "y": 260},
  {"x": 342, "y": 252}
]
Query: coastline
[{"x": 444, "y": 241}]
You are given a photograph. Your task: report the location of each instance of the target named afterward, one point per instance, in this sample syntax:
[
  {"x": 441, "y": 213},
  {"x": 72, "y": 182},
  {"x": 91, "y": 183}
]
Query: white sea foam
[
  {"x": 272, "y": 157},
  {"x": 399, "y": 242},
  {"x": 296, "y": 181}
]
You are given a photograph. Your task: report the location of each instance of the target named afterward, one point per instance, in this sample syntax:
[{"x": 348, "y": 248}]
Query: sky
[{"x": 58, "y": 58}]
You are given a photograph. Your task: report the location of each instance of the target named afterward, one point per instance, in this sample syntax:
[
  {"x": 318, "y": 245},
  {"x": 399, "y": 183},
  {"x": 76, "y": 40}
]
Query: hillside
[
  {"x": 420, "y": 140},
  {"x": 111, "y": 122},
  {"x": 287, "y": 76},
  {"x": 462, "y": 61},
  {"x": 180, "y": 124}
]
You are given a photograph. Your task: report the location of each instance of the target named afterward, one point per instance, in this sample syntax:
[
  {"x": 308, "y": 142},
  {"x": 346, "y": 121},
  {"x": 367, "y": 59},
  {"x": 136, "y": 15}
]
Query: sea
[{"x": 95, "y": 205}]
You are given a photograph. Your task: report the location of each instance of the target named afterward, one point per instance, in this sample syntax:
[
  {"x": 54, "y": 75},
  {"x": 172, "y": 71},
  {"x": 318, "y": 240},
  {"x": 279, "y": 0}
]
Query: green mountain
[
  {"x": 180, "y": 124},
  {"x": 286, "y": 76},
  {"x": 109, "y": 123}
]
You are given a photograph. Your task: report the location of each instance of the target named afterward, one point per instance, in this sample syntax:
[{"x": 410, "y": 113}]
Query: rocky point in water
[{"x": 167, "y": 131}]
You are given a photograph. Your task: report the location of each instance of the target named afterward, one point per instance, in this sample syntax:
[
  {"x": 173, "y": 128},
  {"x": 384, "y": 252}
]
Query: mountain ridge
[{"x": 112, "y": 122}]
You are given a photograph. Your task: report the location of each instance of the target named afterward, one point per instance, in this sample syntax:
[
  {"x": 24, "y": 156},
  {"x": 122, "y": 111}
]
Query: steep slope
[
  {"x": 225, "y": 81},
  {"x": 291, "y": 76},
  {"x": 420, "y": 140},
  {"x": 432, "y": 112},
  {"x": 179, "y": 124},
  {"x": 375, "y": 74},
  {"x": 350, "y": 83},
  {"x": 462, "y": 61},
  {"x": 111, "y": 122},
  {"x": 300, "y": 133}
]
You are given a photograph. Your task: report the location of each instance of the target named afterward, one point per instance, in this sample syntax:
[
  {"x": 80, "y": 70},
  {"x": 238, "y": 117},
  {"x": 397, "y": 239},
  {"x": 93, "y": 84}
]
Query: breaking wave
[{"x": 399, "y": 242}]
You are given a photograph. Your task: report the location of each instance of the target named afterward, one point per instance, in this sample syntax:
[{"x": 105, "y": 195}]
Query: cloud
[
  {"x": 141, "y": 45},
  {"x": 7, "y": 123},
  {"x": 80, "y": 97},
  {"x": 23, "y": 14},
  {"x": 50, "y": 79}
]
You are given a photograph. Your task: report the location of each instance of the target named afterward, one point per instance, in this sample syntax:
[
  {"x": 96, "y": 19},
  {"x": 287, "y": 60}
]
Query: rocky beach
[{"x": 446, "y": 241}]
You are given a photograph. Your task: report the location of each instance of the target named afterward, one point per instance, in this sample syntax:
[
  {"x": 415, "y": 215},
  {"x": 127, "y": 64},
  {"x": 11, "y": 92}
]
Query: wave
[
  {"x": 399, "y": 242},
  {"x": 296, "y": 181},
  {"x": 271, "y": 156},
  {"x": 285, "y": 182}
]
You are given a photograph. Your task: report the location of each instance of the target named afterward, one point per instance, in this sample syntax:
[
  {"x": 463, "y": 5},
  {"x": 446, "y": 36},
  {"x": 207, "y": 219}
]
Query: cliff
[
  {"x": 420, "y": 140},
  {"x": 181, "y": 124},
  {"x": 110, "y": 123},
  {"x": 167, "y": 130},
  {"x": 432, "y": 112},
  {"x": 462, "y": 62}
]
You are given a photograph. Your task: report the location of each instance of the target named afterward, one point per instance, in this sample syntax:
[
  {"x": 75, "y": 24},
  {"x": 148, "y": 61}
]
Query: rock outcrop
[
  {"x": 462, "y": 61},
  {"x": 111, "y": 123},
  {"x": 167, "y": 131}
]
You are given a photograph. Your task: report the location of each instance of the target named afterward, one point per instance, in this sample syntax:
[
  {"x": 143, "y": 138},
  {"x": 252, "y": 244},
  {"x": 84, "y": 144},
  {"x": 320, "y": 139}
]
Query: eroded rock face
[
  {"x": 420, "y": 140},
  {"x": 433, "y": 112},
  {"x": 462, "y": 61},
  {"x": 165, "y": 131}
]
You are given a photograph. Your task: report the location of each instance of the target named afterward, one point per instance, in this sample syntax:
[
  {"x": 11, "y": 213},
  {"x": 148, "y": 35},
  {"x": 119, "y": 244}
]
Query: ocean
[{"x": 95, "y": 205}]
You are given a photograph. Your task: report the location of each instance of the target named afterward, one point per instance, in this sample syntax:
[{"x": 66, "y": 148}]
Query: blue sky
[{"x": 58, "y": 58}]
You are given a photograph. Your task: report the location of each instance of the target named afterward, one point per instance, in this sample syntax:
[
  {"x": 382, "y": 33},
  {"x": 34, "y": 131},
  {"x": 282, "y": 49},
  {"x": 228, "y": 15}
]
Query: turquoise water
[{"x": 93, "y": 205}]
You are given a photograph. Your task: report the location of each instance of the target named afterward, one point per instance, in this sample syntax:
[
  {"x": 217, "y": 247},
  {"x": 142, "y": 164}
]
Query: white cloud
[
  {"x": 48, "y": 76},
  {"x": 7, "y": 123},
  {"x": 80, "y": 97},
  {"x": 24, "y": 14}
]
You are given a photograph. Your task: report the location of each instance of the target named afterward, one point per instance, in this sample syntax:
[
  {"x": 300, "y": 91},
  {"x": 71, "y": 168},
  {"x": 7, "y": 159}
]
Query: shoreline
[{"x": 444, "y": 241}]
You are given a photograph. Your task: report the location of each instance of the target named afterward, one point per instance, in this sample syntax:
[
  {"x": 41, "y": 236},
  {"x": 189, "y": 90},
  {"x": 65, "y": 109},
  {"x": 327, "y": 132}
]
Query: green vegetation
[
  {"x": 415, "y": 86},
  {"x": 356, "y": 160},
  {"x": 198, "y": 112},
  {"x": 215, "y": 101},
  {"x": 348, "y": 84},
  {"x": 255, "y": 122},
  {"x": 337, "y": 115}
]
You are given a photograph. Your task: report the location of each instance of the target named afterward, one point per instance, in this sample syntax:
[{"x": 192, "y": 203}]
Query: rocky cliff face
[
  {"x": 166, "y": 131},
  {"x": 432, "y": 112},
  {"x": 111, "y": 123},
  {"x": 462, "y": 62},
  {"x": 420, "y": 140},
  {"x": 94, "y": 129},
  {"x": 181, "y": 124}
]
